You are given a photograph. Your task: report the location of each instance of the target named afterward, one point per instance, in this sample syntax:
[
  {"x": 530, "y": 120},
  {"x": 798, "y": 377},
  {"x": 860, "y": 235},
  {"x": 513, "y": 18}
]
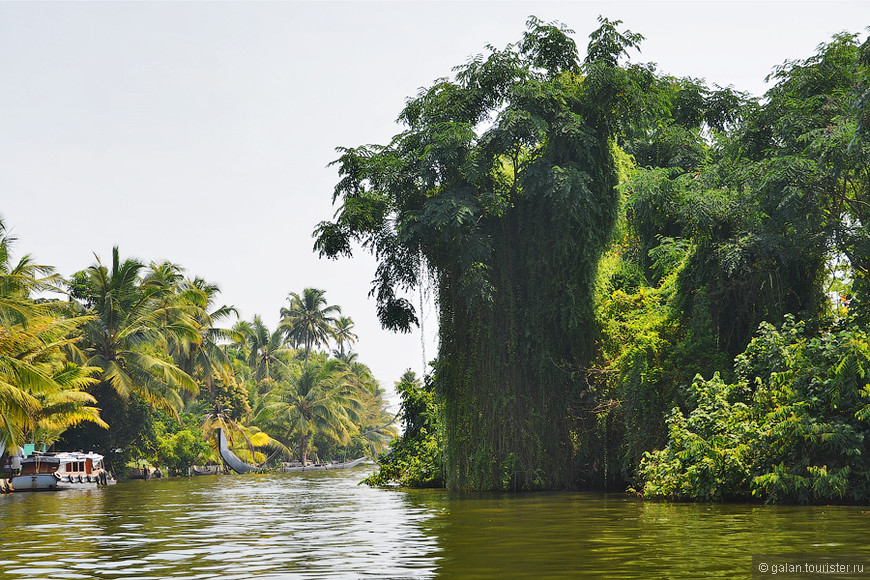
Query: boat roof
[
  {"x": 63, "y": 456},
  {"x": 40, "y": 459},
  {"x": 77, "y": 456}
]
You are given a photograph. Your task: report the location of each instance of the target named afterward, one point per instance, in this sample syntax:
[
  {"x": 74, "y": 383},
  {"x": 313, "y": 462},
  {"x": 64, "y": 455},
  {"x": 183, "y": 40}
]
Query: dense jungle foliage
[
  {"x": 135, "y": 365},
  {"x": 697, "y": 330}
]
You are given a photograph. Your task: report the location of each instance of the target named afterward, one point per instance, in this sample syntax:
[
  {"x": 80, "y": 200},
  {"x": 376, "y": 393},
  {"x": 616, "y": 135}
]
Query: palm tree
[
  {"x": 68, "y": 407},
  {"x": 40, "y": 389},
  {"x": 133, "y": 323},
  {"x": 204, "y": 358},
  {"x": 189, "y": 325},
  {"x": 318, "y": 400},
  {"x": 343, "y": 332},
  {"x": 308, "y": 321},
  {"x": 39, "y": 386},
  {"x": 20, "y": 281},
  {"x": 174, "y": 310},
  {"x": 377, "y": 424},
  {"x": 163, "y": 278},
  {"x": 266, "y": 351}
]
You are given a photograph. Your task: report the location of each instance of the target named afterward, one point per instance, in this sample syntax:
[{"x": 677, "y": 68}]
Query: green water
[{"x": 323, "y": 525}]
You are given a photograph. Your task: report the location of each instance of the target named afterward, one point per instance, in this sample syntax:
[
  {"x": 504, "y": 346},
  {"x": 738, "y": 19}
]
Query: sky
[{"x": 202, "y": 132}]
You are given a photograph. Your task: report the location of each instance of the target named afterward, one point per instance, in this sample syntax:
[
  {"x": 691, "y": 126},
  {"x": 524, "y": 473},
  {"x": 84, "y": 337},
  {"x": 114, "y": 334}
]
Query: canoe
[{"x": 324, "y": 466}]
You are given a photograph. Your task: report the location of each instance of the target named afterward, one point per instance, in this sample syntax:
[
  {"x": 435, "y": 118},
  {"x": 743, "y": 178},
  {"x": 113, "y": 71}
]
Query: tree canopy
[{"x": 502, "y": 190}]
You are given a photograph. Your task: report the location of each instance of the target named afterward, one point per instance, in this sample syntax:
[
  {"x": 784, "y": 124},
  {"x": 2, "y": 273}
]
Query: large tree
[
  {"x": 502, "y": 187},
  {"x": 736, "y": 224}
]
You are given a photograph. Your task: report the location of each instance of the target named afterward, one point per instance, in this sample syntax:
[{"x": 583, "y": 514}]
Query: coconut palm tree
[
  {"x": 204, "y": 358},
  {"x": 133, "y": 324},
  {"x": 68, "y": 407},
  {"x": 309, "y": 321},
  {"x": 267, "y": 353},
  {"x": 174, "y": 309},
  {"x": 19, "y": 281},
  {"x": 189, "y": 325},
  {"x": 40, "y": 388},
  {"x": 319, "y": 399},
  {"x": 343, "y": 332},
  {"x": 377, "y": 424}
]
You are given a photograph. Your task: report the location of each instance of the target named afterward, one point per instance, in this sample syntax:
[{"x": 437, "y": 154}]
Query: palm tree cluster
[
  {"x": 304, "y": 398},
  {"x": 42, "y": 378},
  {"x": 140, "y": 363}
]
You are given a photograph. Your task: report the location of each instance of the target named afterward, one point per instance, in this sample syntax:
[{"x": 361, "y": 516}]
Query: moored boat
[
  {"x": 64, "y": 470},
  {"x": 206, "y": 469},
  {"x": 239, "y": 466},
  {"x": 37, "y": 473}
]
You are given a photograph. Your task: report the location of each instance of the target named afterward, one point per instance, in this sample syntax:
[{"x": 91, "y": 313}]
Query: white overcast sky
[{"x": 200, "y": 132}]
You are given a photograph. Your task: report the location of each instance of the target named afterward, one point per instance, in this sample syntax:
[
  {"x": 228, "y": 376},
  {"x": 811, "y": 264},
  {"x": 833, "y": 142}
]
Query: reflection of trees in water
[{"x": 570, "y": 535}]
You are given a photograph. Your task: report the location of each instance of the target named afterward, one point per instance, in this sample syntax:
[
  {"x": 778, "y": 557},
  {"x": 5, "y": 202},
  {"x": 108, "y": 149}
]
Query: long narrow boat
[{"x": 323, "y": 466}]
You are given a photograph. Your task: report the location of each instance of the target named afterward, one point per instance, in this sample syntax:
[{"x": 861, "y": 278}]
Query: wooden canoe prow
[
  {"x": 239, "y": 466},
  {"x": 230, "y": 458}
]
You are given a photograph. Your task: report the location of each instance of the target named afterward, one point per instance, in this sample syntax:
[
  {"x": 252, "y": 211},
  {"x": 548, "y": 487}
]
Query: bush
[
  {"x": 414, "y": 459},
  {"x": 181, "y": 450},
  {"x": 793, "y": 428}
]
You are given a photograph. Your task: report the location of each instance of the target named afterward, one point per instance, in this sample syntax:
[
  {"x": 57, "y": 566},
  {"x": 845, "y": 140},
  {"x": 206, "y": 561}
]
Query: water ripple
[
  {"x": 323, "y": 525},
  {"x": 270, "y": 526}
]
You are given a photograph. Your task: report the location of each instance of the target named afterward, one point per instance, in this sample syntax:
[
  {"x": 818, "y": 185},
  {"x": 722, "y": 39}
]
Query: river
[{"x": 324, "y": 525}]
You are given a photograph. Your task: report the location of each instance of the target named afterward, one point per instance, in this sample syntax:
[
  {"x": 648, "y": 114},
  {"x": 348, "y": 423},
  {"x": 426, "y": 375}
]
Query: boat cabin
[
  {"x": 38, "y": 464},
  {"x": 77, "y": 464}
]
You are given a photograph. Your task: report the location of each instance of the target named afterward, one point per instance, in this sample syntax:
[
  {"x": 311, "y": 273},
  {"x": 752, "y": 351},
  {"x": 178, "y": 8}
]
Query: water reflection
[
  {"x": 571, "y": 535},
  {"x": 323, "y": 525}
]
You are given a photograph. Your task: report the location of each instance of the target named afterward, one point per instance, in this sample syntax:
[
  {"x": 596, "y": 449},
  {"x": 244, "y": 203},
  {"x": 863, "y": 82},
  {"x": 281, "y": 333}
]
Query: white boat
[{"x": 65, "y": 470}]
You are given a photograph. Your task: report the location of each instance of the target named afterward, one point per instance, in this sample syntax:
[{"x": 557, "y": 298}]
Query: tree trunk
[{"x": 303, "y": 449}]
